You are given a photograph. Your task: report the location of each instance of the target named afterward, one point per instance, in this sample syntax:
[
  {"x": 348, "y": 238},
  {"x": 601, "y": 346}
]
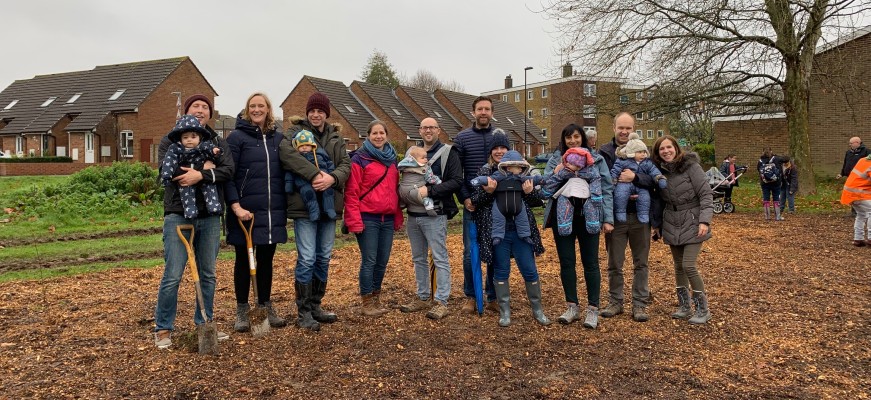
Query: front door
[
  {"x": 89, "y": 148},
  {"x": 145, "y": 150}
]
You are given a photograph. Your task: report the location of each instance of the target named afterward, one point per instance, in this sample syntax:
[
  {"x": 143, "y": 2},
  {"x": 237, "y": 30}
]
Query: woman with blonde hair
[{"x": 257, "y": 192}]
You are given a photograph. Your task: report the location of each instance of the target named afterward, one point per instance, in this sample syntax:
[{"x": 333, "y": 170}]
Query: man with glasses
[{"x": 427, "y": 232}]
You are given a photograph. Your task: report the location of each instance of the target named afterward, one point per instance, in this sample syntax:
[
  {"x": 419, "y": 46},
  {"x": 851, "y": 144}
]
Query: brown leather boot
[{"x": 368, "y": 307}]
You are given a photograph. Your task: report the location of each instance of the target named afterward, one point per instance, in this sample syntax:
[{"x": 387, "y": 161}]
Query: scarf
[{"x": 386, "y": 156}]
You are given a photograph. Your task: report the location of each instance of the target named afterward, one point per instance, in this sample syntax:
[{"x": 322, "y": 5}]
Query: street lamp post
[{"x": 525, "y": 113}]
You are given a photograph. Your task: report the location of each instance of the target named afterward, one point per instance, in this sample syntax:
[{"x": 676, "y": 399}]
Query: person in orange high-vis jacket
[{"x": 857, "y": 192}]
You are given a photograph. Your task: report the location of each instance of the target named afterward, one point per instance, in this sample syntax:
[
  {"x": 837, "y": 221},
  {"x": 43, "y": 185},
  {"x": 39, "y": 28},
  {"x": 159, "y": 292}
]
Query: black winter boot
[
  {"x": 303, "y": 299},
  {"x": 533, "y": 293},
  {"x": 242, "y": 324},
  {"x": 274, "y": 320},
  {"x": 703, "y": 314},
  {"x": 503, "y": 296},
  {"x": 318, "y": 290},
  {"x": 684, "y": 309}
]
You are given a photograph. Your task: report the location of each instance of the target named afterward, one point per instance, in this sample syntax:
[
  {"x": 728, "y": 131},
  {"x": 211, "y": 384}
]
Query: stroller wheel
[
  {"x": 729, "y": 208},
  {"x": 718, "y": 207}
]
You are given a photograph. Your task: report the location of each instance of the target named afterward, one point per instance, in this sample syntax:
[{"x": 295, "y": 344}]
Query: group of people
[{"x": 260, "y": 177}]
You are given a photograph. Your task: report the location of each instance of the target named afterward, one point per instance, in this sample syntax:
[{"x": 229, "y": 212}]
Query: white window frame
[
  {"x": 517, "y": 97},
  {"x": 639, "y": 116},
  {"x": 544, "y": 132},
  {"x": 74, "y": 98},
  {"x": 396, "y": 111},
  {"x": 117, "y": 94},
  {"x": 544, "y": 112},
  {"x": 19, "y": 145},
  {"x": 544, "y": 93},
  {"x": 505, "y": 98},
  {"x": 48, "y": 101},
  {"x": 624, "y": 99},
  {"x": 590, "y": 111},
  {"x": 529, "y": 95},
  {"x": 350, "y": 110},
  {"x": 126, "y": 143},
  {"x": 11, "y": 104},
  {"x": 529, "y": 114},
  {"x": 589, "y": 128},
  {"x": 659, "y": 133},
  {"x": 650, "y": 133},
  {"x": 437, "y": 113},
  {"x": 509, "y": 120},
  {"x": 590, "y": 90},
  {"x": 639, "y": 96},
  {"x": 639, "y": 132}
]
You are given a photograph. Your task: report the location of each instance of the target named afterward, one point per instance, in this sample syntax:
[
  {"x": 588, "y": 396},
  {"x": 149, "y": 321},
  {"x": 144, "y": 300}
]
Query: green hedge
[{"x": 37, "y": 160}]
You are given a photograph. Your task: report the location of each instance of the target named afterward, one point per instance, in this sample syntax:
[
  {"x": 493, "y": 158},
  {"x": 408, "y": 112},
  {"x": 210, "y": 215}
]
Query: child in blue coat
[{"x": 633, "y": 156}]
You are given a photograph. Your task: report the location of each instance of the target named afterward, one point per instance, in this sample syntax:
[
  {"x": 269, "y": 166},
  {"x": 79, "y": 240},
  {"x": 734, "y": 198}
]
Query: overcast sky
[{"x": 269, "y": 45}]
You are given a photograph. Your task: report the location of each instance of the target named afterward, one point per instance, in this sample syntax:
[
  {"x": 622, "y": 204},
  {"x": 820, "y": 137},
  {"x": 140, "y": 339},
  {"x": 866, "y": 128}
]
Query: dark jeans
[
  {"x": 523, "y": 256},
  {"x": 263, "y": 255},
  {"x": 589, "y": 246},
  {"x": 375, "y": 243},
  {"x": 770, "y": 192}
]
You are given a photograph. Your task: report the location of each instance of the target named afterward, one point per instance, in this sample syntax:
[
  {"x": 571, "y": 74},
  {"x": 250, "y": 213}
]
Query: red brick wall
[
  {"x": 396, "y": 136},
  {"x": 747, "y": 139},
  {"x": 840, "y": 103},
  {"x": 31, "y": 169},
  {"x": 294, "y": 105}
]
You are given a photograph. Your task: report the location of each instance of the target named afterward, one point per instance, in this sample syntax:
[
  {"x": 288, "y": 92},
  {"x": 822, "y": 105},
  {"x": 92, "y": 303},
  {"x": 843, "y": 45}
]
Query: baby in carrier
[
  {"x": 513, "y": 170},
  {"x": 305, "y": 144},
  {"x": 633, "y": 156},
  {"x": 416, "y": 173}
]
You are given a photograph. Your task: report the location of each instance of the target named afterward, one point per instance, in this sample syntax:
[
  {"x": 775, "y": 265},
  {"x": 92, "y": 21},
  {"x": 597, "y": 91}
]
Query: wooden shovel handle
[
  {"x": 192, "y": 259},
  {"x": 252, "y": 262}
]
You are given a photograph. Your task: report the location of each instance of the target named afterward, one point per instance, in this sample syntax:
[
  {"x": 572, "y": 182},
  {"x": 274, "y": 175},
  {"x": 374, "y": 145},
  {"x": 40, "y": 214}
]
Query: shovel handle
[
  {"x": 252, "y": 262},
  {"x": 192, "y": 260}
]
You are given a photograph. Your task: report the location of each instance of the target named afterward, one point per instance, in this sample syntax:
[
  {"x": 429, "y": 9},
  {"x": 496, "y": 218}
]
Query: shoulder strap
[
  {"x": 446, "y": 148},
  {"x": 386, "y": 170}
]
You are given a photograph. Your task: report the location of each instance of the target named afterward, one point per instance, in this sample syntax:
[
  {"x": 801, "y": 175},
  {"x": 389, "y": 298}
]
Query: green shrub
[{"x": 706, "y": 153}]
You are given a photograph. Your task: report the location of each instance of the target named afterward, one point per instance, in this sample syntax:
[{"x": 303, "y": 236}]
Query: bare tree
[
  {"x": 425, "y": 80},
  {"x": 748, "y": 54}
]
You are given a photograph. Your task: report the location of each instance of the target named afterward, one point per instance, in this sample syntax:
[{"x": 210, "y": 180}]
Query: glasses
[{"x": 429, "y": 128}]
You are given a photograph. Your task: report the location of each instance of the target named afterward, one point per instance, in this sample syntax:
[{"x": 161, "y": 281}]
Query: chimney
[
  {"x": 567, "y": 70},
  {"x": 509, "y": 83}
]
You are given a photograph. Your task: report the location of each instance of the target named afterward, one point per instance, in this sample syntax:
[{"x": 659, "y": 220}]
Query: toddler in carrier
[
  {"x": 633, "y": 156},
  {"x": 578, "y": 179},
  {"x": 512, "y": 171},
  {"x": 416, "y": 173},
  {"x": 191, "y": 148},
  {"x": 305, "y": 144}
]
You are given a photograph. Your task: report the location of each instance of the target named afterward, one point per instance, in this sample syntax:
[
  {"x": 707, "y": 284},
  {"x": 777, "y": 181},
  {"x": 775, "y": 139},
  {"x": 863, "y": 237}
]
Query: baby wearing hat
[
  {"x": 191, "y": 148},
  {"x": 633, "y": 156},
  {"x": 416, "y": 173},
  {"x": 577, "y": 182},
  {"x": 304, "y": 142}
]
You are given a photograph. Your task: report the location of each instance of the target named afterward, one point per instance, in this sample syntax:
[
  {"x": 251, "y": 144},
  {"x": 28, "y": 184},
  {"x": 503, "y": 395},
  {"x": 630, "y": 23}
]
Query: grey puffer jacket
[{"x": 685, "y": 203}]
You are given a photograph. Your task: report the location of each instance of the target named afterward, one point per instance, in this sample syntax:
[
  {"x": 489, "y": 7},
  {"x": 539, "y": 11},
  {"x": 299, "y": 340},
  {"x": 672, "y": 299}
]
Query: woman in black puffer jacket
[{"x": 257, "y": 191}]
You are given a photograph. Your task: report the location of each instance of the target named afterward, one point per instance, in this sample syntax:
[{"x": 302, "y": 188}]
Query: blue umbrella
[{"x": 476, "y": 268}]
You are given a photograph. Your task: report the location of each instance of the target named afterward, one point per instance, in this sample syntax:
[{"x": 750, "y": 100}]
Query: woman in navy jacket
[{"x": 257, "y": 191}]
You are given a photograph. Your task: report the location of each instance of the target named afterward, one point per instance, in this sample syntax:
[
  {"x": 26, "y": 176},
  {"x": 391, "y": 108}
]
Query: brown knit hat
[
  {"x": 192, "y": 99},
  {"x": 320, "y": 101}
]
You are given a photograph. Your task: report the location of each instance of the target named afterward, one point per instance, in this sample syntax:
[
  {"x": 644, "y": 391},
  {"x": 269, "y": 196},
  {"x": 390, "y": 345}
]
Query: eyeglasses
[{"x": 429, "y": 128}]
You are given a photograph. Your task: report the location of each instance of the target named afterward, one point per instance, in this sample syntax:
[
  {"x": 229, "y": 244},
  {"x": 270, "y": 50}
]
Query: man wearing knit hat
[{"x": 314, "y": 238}]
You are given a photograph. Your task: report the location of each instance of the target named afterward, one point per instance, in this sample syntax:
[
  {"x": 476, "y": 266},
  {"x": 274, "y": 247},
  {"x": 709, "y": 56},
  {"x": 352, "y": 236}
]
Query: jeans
[
  {"x": 637, "y": 236},
  {"x": 786, "y": 196},
  {"x": 314, "y": 248},
  {"x": 426, "y": 233},
  {"x": 862, "y": 224},
  {"x": 263, "y": 256},
  {"x": 375, "y": 243},
  {"x": 468, "y": 285},
  {"x": 207, "y": 240},
  {"x": 770, "y": 192},
  {"x": 523, "y": 256},
  {"x": 565, "y": 249}
]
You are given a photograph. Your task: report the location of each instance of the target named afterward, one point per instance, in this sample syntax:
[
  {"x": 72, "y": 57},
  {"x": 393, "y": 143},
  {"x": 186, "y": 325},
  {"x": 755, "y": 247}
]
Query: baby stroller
[{"x": 719, "y": 184}]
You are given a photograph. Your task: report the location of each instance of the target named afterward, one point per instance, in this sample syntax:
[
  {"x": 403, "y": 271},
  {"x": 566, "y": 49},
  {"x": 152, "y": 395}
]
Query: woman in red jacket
[{"x": 372, "y": 211}]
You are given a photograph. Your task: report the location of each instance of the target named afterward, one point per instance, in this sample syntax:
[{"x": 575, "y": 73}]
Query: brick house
[
  {"x": 589, "y": 102},
  {"x": 840, "y": 101},
  {"x": 110, "y": 113},
  {"x": 402, "y": 125}
]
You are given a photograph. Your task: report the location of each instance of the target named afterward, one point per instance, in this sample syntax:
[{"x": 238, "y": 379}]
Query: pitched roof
[
  {"x": 341, "y": 99},
  {"x": 843, "y": 39},
  {"x": 96, "y": 87},
  {"x": 433, "y": 109},
  {"x": 505, "y": 115},
  {"x": 386, "y": 99}
]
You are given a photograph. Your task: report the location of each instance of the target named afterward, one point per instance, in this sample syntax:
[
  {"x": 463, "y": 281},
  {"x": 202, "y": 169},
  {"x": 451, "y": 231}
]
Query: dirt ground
[{"x": 790, "y": 303}]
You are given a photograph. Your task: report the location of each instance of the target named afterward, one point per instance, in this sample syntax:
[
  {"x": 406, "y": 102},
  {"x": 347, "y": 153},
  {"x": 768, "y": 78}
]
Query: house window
[
  {"x": 590, "y": 111},
  {"x": 49, "y": 101},
  {"x": 437, "y": 114},
  {"x": 126, "y": 142},
  {"x": 509, "y": 120},
  {"x": 590, "y": 89},
  {"x": 544, "y": 133},
  {"x": 651, "y": 116},
  {"x": 529, "y": 114},
  {"x": 505, "y": 98},
  {"x": 649, "y": 95},
  {"x": 351, "y": 110},
  {"x": 659, "y": 133},
  {"x": 639, "y": 132},
  {"x": 396, "y": 111},
  {"x": 589, "y": 128},
  {"x": 517, "y": 97},
  {"x": 544, "y": 93},
  {"x": 117, "y": 94},
  {"x": 543, "y": 112},
  {"x": 74, "y": 98},
  {"x": 639, "y": 96},
  {"x": 639, "y": 116},
  {"x": 19, "y": 145},
  {"x": 11, "y": 104},
  {"x": 528, "y": 95},
  {"x": 624, "y": 99},
  {"x": 650, "y": 133}
]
